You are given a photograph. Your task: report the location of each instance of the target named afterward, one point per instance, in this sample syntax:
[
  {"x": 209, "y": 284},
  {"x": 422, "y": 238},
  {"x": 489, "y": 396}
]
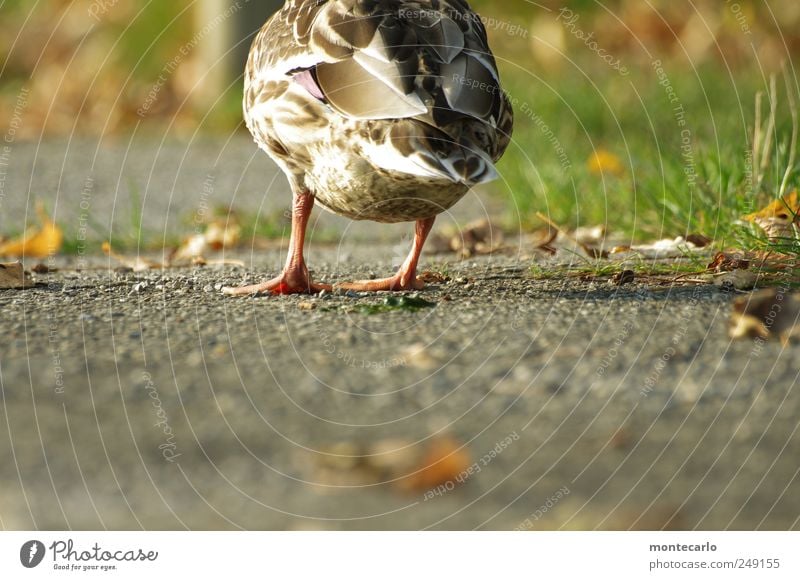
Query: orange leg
[
  {"x": 406, "y": 277},
  {"x": 295, "y": 278}
]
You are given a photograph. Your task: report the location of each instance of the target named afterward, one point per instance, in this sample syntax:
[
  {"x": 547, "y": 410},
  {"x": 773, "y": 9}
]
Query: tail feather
[{"x": 416, "y": 148}]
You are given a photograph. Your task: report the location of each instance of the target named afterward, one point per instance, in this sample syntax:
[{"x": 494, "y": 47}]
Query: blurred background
[
  {"x": 635, "y": 115},
  {"x": 120, "y": 122}
]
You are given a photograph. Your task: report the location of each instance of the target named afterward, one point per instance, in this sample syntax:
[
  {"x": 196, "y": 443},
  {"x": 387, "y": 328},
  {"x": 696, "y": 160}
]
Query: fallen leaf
[
  {"x": 585, "y": 238},
  {"x": 602, "y": 161},
  {"x": 444, "y": 460},
  {"x": 137, "y": 263},
  {"x": 410, "y": 467},
  {"x": 429, "y": 277},
  {"x": 218, "y": 235},
  {"x": 766, "y": 313},
  {"x": 698, "y": 240},
  {"x": 417, "y": 356},
  {"x": 723, "y": 262},
  {"x": 14, "y": 277},
  {"x": 43, "y": 269},
  {"x": 777, "y": 218},
  {"x": 392, "y": 457},
  {"x": 624, "y": 277},
  {"x": 592, "y": 236},
  {"x": 192, "y": 248},
  {"x": 592, "y": 241},
  {"x": 39, "y": 242},
  {"x": 667, "y": 248},
  {"x": 543, "y": 240},
  {"x": 593, "y": 252},
  {"x": 663, "y": 517},
  {"x": 622, "y": 439},
  {"x": 222, "y": 235},
  {"x": 477, "y": 238}
]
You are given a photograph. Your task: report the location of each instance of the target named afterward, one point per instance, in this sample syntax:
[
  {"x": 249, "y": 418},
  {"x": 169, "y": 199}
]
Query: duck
[{"x": 381, "y": 110}]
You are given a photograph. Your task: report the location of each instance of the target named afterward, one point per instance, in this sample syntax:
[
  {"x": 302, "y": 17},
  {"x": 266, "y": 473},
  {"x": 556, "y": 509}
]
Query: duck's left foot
[{"x": 283, "y": 284}]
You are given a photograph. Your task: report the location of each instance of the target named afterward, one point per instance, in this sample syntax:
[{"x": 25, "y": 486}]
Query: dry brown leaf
[
  {"x": 218, "y": 235},
  {"x": 777, "y": 218},
  {"x": 698, "y": 240},
  {"x": 136, "y": 263},
  {"x": 43, "y": 269},
  {"x": 14, "y": 277},
  {"x": 723, "y": 262},
  {"x": 591, "y": 236},
  {"x": 590, "y": 239},
  {"x": 39, "y": 242},
  {"x": 442, "y": 463},
  {"x": 477, "y": 238},
  {"x": 767, "y": 313},
  {"x": 430, "y": 277},
  {"x": 410, "y": 467},
  {"x": 543, "y": 240},
  {"x": 623, "y": 277},
  {"x": 593, "y": 252},
  {"x": 622, "y": 438}
]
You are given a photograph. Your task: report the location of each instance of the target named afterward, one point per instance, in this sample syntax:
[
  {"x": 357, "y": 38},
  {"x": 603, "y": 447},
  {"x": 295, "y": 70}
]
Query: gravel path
[{"x": 149, "y": 400}]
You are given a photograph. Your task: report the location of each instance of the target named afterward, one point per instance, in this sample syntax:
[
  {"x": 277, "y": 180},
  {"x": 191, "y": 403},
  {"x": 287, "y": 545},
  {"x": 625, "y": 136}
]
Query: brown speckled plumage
[{"x": 386, "y": 110}]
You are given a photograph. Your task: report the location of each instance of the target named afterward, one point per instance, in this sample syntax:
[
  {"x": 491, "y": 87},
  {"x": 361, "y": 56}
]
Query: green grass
[{"x": 652, "y": 197}]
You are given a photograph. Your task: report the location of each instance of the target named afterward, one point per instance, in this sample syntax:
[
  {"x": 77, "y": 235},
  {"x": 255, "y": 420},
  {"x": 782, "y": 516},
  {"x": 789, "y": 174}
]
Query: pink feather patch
[{"x": 306, "y": 80}]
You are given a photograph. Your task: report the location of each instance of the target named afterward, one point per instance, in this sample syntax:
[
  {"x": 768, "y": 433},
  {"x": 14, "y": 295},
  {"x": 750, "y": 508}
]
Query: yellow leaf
[
  {"x": 40, "y": 242},
  {"x": 602, "y": 161},
  {"x": 785, "y": 208},
  {"x": 776, "y": 219}
]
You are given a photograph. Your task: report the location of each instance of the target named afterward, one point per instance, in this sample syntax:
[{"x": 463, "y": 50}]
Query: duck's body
[
  {"x": 386, "y": 110},
  {"x": 346, "y": 181}
]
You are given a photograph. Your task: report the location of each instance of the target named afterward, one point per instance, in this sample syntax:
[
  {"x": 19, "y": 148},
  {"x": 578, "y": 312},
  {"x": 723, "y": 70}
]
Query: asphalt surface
[{"x": 151, "y": 401}]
